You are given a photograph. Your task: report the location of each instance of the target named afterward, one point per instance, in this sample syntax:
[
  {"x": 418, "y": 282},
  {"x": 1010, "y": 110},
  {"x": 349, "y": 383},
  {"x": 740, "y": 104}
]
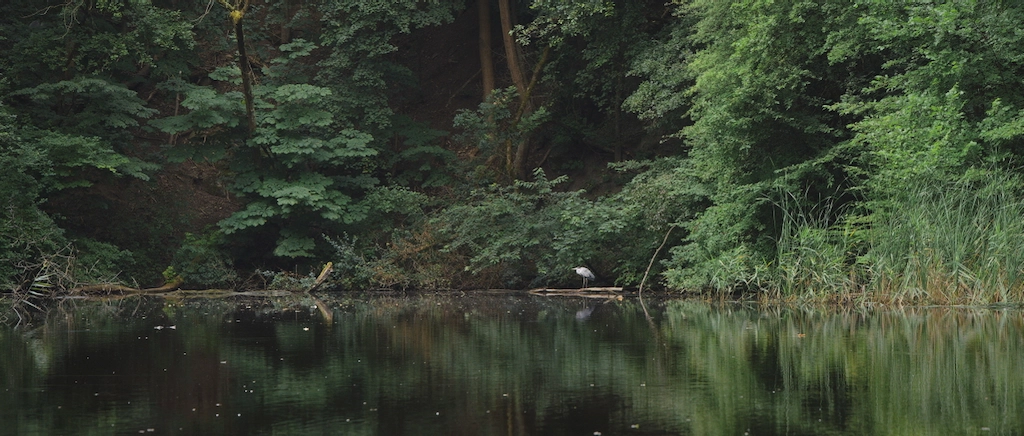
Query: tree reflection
[{"x": 507, "y": 364}]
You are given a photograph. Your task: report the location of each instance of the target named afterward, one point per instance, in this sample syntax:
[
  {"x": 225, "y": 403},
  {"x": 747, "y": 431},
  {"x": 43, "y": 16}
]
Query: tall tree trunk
[
  {"x": 516, "y": 154},
  {"x": 286, "y": 18},
  {"x": 523, "y": 149},
  {"x": 512, "y": 57},
  {"x": 246, "y": 68},
  {"x": 288, "y": 10},
  {"x": 486, "y": 61},
  {"x": 237, "y": 12},
  {"x": 518, "y": 77}
]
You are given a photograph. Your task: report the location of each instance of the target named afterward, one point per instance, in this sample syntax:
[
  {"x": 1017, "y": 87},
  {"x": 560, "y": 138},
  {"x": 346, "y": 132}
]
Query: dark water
[{"x": 508, "y": 365}]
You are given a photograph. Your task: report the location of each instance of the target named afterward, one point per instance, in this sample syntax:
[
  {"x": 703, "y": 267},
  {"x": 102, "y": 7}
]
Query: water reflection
[{"x": 504, "y": 365}]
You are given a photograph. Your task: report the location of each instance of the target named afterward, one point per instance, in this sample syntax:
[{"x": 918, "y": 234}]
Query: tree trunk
[
  {"x": 516, "y": 71},
  {"x": 286, "y": 18},
  {"x": 523, "y": 149},
  {"x": 515, "y": 66},
  {"x": 246, "y": 69},
  {"x": 486, "y": 61},
  {"x": 237, "y": 11}
]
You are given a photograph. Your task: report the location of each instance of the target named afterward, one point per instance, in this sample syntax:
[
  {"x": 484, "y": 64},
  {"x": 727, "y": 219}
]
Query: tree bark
[
  {"x": 286, "y": 18},
  {"x": 515, "y": 70},
  {"x": 523, "y": 149},
  {"x": 237, "y": 11},
  {"x": 515, "y": 66},
  {"x": 486, "y": 60},
  {"x": 246, "y": 68}
]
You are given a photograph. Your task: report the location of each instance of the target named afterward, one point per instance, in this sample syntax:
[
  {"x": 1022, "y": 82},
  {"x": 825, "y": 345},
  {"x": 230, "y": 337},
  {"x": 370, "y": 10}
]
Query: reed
[
  {"x": 816, "y": 248},
  {"x": 954, "y": 243},
  {"x": 958, "y": 242}
]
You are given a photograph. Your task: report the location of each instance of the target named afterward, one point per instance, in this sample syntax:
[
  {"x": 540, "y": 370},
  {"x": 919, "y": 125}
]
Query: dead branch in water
[{"x": 113, "y": 288}]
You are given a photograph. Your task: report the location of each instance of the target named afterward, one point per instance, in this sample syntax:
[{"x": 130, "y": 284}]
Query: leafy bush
[
  {"x": 97, "y": 261},
  {"x": 201, "y": 263},
  {"x": 299, "y": 173},
  {"x": 519, "y": 228},
  {"x": 28, "y": 237},
  {"x": 494, "y": 128}
]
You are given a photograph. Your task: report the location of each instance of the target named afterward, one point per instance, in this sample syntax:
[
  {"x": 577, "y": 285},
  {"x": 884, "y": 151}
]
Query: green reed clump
[
  {"x": 956, "y": 242},
  {"x": 817, "y": 248},
  {"x": 942, "y": 242}
]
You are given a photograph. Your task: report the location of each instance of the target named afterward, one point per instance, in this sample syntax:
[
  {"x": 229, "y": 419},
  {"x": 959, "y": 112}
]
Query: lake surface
[{"x": 508, "y": 365}]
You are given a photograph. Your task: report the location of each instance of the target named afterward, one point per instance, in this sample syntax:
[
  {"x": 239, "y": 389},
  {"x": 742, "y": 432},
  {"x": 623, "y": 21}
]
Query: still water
[{"x": 508, "y": 365}]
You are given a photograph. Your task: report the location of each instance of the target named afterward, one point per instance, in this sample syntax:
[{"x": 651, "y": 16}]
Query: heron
[{"x": 585, "y": 273}]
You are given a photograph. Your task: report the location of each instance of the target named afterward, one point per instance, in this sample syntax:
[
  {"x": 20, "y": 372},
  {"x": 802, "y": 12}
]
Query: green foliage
[
  {"x": 661, "y": 97},
  {"x": 757, "y": 81},
  {"x": 299, "y": 172},
  {"x": 819, "y": 248},
  {"x": 520, "y": 229},
  {"x": 781, "y": 135},
  {"x": 82, "y": 123},
  {"x": 726, "y": 245},
  {"x": 595, "y": 44},
  {"x": 97, "y": 261},
  {"x": 61, "y": 135},
  {"x": 28, "y": 237},
  {"x": 33, "y": 246},
  {"x": 535, "y": 233},
  {"x": 420, "y": 161},
  {"x": 954, "y": 242},
  {"x": 201, "y": 263},
  {"x": 125, "y": 40},
  {"x": 86, "y": 105},
  {"x": 352, "y": 271},
  {"x": 558, "y": 20},
  {"x": 663, "y": 196},
  {"x": 493, "y": 127},
  {"x": 206, "y": 108},
  {"x": 947, "y": 97},
  {"x": 359, "y": 35}
]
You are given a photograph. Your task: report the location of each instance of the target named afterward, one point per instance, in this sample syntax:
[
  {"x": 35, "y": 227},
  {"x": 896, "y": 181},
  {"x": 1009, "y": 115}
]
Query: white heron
[{"x": 585, "y": 273}]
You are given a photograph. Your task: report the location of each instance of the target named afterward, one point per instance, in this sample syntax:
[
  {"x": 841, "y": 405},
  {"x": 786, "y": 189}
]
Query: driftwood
[
  {"x": 323, "y": 276},
  {"x": 180, "y": 294},
  {"x": 113, "y": 288},
  {"x": 592, "y": 292},
  {"x": 171, "y": 288}
]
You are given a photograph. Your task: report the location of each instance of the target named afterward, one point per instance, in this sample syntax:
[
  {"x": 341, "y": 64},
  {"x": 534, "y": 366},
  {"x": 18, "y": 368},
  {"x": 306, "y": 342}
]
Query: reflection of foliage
[
  {"x": 915, "y": 371},
  {"x": 434, "y": 360}
]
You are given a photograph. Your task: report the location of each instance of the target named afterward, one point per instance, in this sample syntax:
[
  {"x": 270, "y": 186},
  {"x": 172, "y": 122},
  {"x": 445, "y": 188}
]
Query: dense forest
[{"x": 818, "y": 149}]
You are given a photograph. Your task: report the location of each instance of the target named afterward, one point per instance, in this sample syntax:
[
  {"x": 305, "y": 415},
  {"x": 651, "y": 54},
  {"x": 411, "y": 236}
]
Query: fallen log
[
  {"x": 111, "y": 288},
  {"x": 593, "y": 292},
  {"x": 182, "y": 294}
]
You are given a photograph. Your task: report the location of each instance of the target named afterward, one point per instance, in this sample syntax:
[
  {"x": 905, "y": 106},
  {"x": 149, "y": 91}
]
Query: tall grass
[
  {"x": 956, "y": 242},
  {"x": 817, "y": 248},
  {"x": 952, "y": 243}
]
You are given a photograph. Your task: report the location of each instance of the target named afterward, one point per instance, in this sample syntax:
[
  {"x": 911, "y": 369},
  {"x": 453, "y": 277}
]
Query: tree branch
[{"x": 649, "y": 265}]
